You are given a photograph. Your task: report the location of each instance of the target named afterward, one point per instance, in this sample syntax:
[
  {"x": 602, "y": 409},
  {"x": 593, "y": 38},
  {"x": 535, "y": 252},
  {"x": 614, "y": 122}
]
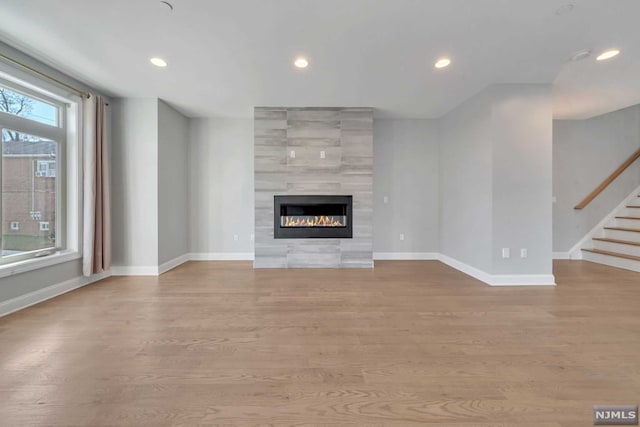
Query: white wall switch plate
[
  {"x": 401, "y": 236},
  {"x": 385, "y": 199},
  {"x": 506, "y": 253},
  {"x": 235, "y": 237},
  {"x": 292, "y": 154},
  {"x": 322, "y": 155},
  {"x": 523, "y": 253}
]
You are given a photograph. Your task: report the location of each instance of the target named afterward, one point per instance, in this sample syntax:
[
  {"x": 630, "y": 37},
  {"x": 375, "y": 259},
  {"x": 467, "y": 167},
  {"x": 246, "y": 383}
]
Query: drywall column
[
  {"x": 135, "y": 186},
  {"x": 496, "y": 185},
  {"x": 466, "y": 192},
  {"x": 149, "y": 186},
  {"x": 173, "y": 141},
  {"x": 522, "y": 183}
]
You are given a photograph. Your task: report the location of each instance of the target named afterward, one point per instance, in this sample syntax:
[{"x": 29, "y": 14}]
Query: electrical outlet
[
  {"x": 235, "y": 237},
  {"x": 385, "y": 199},
  {"x": 506, "y": 253},
  {"x": 292, "y": 154},
  {"x": 401, "y": 236},
  {"x": 322, "y": 155},
  {"x": 523, "y": 253}
]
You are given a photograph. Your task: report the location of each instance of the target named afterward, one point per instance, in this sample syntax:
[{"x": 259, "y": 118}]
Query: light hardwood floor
[{"x": 411, "y": 343}]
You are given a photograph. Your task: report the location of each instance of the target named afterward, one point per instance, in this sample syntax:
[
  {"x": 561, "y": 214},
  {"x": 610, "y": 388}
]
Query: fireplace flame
[{"x": 312, "y": 221}]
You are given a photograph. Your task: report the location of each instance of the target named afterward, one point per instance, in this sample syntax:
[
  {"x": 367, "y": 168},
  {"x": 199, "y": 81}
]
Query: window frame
[{"x": 68, "y": 171}]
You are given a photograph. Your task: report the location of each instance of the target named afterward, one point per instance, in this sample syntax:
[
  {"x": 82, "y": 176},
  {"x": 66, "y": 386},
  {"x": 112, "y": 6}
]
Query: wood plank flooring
[{"x": 412, "y": 343}]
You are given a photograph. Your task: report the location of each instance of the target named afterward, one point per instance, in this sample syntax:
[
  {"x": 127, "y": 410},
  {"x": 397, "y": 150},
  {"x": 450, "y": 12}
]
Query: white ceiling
[{"x": 225, "y": 57}]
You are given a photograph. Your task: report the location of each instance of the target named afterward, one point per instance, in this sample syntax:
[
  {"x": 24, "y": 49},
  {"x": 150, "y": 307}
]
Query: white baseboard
[
  {"x": 500, "y": 279},
  {"x": 151, "y": 270},
  {"x": 35, "y": 297},
  {"x": 221, "y": 256},
  {"x": 523, "y": 280},
  {"x": 491, "y": 279},
  {"x": 465, "y": 268},
  {"x": 405, "y": 256},
  {"x": 173, "y": 263},
  {"x": 133, "y": 270},
  {"x": 561, "y": 255}
]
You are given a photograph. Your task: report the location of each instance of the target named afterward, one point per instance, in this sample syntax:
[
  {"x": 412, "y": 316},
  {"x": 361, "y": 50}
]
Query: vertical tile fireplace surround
[{"x": 313, "y": 151}]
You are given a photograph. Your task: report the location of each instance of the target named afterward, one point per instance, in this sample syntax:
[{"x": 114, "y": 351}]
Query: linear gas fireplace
[{"x": 300, "y": 217}]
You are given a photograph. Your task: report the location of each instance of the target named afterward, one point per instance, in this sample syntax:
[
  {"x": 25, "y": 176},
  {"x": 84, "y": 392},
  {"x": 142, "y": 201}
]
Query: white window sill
[{"x": 35, "y": 263}]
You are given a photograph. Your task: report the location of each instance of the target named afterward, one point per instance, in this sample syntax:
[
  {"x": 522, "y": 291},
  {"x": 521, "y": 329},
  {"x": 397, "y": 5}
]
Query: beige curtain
[{"x": 96, "y": 245}]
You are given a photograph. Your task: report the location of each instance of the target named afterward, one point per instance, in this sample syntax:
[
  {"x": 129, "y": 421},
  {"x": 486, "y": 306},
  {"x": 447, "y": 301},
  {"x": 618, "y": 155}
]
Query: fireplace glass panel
[{"x": 321, "y": 215}]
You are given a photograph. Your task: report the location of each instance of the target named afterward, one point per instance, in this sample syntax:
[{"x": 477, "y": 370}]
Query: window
[
  {"x": 23, "y": 105},
  {"x": 46, "y": 169},
  {"x": 39, "y": 202}
]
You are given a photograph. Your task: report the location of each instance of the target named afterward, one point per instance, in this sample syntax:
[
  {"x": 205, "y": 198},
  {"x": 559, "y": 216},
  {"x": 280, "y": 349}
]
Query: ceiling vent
[
  {"x": 581, "y": 54},
  {"x": 565, "y": 9}
]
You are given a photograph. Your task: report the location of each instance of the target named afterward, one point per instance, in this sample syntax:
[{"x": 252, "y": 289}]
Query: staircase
[{"x": 618, "y": 243}]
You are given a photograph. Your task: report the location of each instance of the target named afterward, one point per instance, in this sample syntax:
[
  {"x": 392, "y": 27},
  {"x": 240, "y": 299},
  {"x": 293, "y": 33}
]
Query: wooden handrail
[{"x": 609, "y": 180}]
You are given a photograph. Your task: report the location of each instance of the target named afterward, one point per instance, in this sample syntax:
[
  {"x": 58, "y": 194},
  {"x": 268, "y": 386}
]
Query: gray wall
[
  {"x": 173, "y": 142},
  {"x": 135, "y": 182},
  {"x": 35, "y": 280},
  {"x": 496, "y": 180},
  {"x": 24, "y": 283},
  {"x": 585, "y": 152},
  {"x": 346, "y": 136},
  {"x": 221, "y": 173},
  {"x": 406, "y": 171},
  {"x": 522, "y": 178},
  {"x": 221, "y": 186},
  {"x": 466, "y": 193}
]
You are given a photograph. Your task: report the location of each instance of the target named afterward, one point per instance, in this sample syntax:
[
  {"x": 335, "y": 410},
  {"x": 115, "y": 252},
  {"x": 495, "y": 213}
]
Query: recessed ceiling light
[
  {"x": 442, "y": 63},
  {"x": 158, "y": 62},
  {"x": 301, "y": 62},
  {"x": 607, "y": 54}
]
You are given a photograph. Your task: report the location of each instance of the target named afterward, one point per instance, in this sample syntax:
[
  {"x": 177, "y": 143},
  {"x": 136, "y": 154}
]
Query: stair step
[
  {"x": 632, "y": 230},
  {"x": 618, "y": 243},
  {"x": 622, "y": 242},
  {"x": 612, "y": 258},
  {"x": 626, "y": 220},
  {"x": 614, "y": 254}
]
